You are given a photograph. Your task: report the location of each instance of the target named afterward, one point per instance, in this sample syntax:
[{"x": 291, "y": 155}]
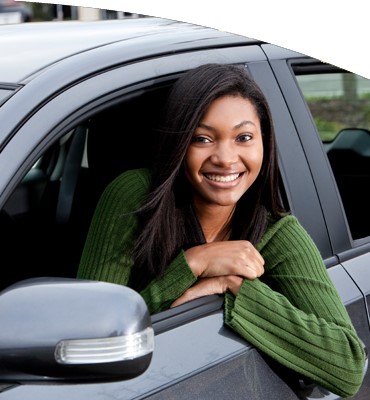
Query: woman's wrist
[{"x": 193, "y": 258}]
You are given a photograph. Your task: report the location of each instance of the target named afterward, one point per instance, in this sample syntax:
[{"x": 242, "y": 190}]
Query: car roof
[{"x": 28, "y": 48}]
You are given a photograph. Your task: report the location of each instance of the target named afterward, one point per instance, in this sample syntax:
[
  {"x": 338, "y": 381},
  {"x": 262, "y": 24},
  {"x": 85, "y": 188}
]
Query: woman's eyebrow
[
  {"x": 237, "y": 126},
  {"x": 244, "y": 123},
  {"x": 205, "y": 126}
]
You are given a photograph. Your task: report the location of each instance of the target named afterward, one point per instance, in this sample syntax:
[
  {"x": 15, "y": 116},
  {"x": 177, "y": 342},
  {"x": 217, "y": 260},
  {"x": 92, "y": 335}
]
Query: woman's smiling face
[{"x": 225, "y": 155}]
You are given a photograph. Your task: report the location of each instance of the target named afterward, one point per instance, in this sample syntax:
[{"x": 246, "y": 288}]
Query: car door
[{"x": 345, "y": 213}]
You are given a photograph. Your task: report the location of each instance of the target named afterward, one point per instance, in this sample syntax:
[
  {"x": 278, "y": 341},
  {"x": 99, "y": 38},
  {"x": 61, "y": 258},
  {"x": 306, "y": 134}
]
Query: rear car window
[{"x": 340, "y": 106}]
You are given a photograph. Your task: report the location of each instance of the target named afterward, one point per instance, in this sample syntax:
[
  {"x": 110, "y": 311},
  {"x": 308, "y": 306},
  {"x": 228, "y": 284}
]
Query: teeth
[{"x": 222, "y": 178}]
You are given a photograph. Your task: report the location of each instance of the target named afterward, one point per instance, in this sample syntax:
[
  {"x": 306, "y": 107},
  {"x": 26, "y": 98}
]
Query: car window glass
[{"x": 340, "y": 106}]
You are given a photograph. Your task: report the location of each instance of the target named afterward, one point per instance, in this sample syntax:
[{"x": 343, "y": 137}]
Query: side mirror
[{"x": 73, "y": 330}]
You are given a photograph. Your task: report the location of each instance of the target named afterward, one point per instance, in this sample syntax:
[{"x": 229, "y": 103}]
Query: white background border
[{"x": 329, "y": 30}]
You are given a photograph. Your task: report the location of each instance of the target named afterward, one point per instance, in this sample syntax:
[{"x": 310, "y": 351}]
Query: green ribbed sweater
[{"x": 292, "y": 313}]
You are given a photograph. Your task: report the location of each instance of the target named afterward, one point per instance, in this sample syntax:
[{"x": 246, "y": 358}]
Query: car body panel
[
  {"x": 189, "y": 352},
  {"x": 139, "y": 40}
]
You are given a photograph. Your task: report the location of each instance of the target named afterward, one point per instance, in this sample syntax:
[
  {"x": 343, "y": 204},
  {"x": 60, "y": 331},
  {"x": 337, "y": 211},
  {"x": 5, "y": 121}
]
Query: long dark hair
[{"x": 167, "y": 221}]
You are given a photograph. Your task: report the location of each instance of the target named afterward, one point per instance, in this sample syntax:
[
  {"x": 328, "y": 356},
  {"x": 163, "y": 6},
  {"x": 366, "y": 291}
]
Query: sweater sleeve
[
  {"x": 294, "y": 313},
  {"x": 162, "y": 291},
  {"x": 107, "y": 253}
]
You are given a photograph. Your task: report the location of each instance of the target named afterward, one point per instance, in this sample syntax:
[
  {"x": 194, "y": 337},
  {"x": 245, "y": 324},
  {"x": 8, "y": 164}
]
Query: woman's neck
[{"x": 215, "y": 222}]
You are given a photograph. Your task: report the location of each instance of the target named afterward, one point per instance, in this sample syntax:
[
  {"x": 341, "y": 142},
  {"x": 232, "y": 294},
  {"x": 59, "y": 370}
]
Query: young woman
[{"x": 208, "y": 219}]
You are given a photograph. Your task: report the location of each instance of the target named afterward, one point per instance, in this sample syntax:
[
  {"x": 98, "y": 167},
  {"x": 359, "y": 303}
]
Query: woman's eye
[
  {"x": 200, "y": 139},
  {"x": 244, "y": 138}
]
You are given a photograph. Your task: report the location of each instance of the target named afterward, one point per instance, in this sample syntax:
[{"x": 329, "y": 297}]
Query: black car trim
[{"x": 186, "y": 313}]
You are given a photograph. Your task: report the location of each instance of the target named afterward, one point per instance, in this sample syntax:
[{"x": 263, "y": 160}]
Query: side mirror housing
[{"x": 73, "y": 330}]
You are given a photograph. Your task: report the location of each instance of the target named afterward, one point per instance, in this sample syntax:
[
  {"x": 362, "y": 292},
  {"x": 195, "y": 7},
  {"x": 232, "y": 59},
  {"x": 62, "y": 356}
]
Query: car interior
[
  {"x": 349, "y": 156},
  {"x": 44, "y": 223}
]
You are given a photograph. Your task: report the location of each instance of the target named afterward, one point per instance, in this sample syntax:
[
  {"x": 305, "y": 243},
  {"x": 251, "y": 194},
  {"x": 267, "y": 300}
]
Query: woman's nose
[{"x": 225, "y": 154}]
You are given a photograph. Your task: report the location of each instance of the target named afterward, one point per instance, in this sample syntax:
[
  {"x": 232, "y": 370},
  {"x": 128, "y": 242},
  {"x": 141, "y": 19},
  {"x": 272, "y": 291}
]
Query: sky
[{"x": 324, "y": 29}]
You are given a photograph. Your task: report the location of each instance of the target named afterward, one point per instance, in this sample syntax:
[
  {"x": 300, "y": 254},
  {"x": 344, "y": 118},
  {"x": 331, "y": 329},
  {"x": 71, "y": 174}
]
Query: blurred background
[{"x": 12, "y": 12}]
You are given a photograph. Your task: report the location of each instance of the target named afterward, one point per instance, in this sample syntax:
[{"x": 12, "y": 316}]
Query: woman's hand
[
  {"x": 221, "y": 266},
  {"x": 235, "y": 257},
  {"x": 208, "y": 286}
]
